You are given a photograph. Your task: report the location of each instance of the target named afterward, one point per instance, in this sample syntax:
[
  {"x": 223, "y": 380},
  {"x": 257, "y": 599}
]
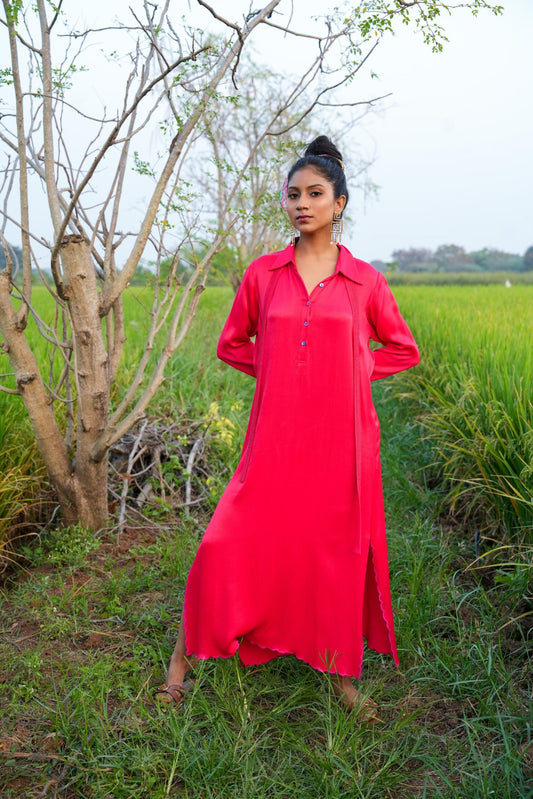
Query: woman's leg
[
  {"x": 180, "y": 664},
  {"x": 352, "y": 699}
]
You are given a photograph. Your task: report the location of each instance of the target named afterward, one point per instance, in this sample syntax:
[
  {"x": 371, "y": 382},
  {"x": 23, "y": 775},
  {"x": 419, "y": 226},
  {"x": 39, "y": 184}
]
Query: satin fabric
[{"x": 294, "y": 560}]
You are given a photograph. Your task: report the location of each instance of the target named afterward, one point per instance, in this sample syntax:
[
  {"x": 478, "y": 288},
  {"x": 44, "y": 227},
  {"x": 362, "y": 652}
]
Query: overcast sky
[
  {"x": 453, "y": 144},
  {"x": 454, "y": 149}
]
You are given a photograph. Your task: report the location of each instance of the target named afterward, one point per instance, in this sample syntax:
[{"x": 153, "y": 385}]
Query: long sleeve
[
  {"x": 399, "y": 350},
  {"x": 235, "y": 346}
]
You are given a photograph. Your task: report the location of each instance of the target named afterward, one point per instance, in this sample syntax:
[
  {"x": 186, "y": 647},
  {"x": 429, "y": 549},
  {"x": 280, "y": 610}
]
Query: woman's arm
[
  {"x": 399, "y": 350},
  {"x": 235, "y": 345}
]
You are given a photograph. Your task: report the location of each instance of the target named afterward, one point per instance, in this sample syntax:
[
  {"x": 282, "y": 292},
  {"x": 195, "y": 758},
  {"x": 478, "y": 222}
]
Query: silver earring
[
  {"x": 336, "y": 229},
  {"x": 294, "y": 234}
]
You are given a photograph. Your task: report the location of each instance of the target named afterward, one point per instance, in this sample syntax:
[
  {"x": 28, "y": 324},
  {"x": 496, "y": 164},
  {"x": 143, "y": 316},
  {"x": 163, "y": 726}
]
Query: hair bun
[
  {"x": 322, "y": 146},
  {"x": 322, "y": 155}
]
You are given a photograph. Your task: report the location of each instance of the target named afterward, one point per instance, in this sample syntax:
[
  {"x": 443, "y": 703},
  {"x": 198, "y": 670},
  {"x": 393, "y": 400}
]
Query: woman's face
[{"x": 311, "y": 202}]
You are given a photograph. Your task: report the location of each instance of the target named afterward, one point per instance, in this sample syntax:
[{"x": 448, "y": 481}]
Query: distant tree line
[
  {"x": 453, "y": 258},
  {"x": 446, "y": 258},
  {"x": 145, "y": 274},
  {"x": 16, "y": 257}
]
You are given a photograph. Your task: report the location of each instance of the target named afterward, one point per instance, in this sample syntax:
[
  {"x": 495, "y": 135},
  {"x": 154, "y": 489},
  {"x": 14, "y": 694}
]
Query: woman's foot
[
  {"x": 176, "y": 686},
  {"x": 168, "y": 693},
  {"x": 353, "y": 701}
]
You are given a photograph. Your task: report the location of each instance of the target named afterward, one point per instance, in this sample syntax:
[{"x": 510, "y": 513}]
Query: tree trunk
[
  {"x": 92, "y": 376},
  {"x": 31, "y": 388},
  {"x": 81, "y": 484}
]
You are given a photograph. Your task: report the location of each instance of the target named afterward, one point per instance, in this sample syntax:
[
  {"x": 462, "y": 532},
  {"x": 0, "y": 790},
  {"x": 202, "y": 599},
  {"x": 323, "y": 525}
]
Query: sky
[
  {"x": 451, "y": 147},
  {"x": 454, "y": 147}
]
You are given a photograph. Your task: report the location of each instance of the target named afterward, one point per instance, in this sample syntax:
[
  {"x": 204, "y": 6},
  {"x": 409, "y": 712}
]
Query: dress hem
[
  {"x": 282, "y": 653},
  {"x": 392, "y": 639}
]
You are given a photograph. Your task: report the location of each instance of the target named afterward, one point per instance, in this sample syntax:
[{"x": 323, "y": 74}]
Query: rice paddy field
[
  {"x": 473, "y": 393},
  {"x": 88, "y": 622}
]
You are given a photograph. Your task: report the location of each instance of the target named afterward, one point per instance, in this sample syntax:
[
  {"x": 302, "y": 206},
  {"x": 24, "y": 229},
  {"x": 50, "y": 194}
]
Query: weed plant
[{"x": 22, "y": 475}]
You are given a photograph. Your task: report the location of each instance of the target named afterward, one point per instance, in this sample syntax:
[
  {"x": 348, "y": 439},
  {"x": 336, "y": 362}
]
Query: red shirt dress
[{"x": 294, "y": 560}]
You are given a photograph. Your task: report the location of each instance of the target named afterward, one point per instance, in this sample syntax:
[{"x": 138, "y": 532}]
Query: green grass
[
  {"x": 85, "y": 649},
  {"x": 473, "y": 392},
  {"x": 88, "y": 628},
  {"x": 459, "y": 278},
  {"x": 194, "y": 381},
  {"x": 21, "y": 476}
]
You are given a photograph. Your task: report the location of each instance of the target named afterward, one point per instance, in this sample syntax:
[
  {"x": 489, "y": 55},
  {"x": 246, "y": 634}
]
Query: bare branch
[
  {"x": 107, "y": 144},
  {"x": 195, "y": 450},
  {"x": 355, "y": 103},
  {"x": 26, "y": 44},
  {"x": 51, "y": 186},
  {"x": 127, "y": 476},
  {"x": 6, "y": 390},
  {"x": 79, "y": 112},
  {"x": 233, "y": 27},
  {"x": 87, "y": 31},
  {"x": 111, "y": 293},
  {"x": 188, "y": 304},
  {"x": 56, "y": 15},
  {"x": 22, "y": 313},
  {"x": 221, "y": 19},
  {"x": 270, "y": 24}
]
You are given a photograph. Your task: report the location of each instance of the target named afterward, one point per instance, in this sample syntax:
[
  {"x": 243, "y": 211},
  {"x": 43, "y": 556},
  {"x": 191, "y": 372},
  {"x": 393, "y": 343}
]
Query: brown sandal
[{"x": 167, "y": 694}]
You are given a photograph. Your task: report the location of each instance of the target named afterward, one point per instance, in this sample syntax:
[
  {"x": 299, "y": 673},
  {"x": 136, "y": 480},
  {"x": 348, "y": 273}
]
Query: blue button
[
  {"x": 306, "y": 323},
  {"x": 307, "y": 303},
  {"x": 304, "y": 343},
  {"x": 321, "y": 285}
]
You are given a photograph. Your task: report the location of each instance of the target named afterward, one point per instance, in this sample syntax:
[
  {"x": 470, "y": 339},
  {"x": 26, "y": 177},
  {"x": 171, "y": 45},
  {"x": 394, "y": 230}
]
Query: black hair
[{"x": 322, "y": 154}]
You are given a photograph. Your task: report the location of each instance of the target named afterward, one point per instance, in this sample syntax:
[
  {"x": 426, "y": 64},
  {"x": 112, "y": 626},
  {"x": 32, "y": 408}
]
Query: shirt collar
[{"x": 346, "y": 264}]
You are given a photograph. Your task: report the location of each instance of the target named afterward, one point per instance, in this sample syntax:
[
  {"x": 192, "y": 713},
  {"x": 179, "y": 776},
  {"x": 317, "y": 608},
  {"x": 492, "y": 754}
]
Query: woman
[{"x": 294, "y": 560}]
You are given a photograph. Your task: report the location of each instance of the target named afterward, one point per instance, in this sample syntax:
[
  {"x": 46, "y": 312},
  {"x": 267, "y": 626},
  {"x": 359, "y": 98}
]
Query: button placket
[
  {"x": 306, "y": 320},
  {"x": 303, "y": 343}
]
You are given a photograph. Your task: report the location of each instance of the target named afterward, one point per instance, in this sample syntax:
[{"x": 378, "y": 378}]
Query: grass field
[
  {"x": 474, "y": 391},
  {"x": 88, "y": 626},
  {"x": 459, "y": 278}
]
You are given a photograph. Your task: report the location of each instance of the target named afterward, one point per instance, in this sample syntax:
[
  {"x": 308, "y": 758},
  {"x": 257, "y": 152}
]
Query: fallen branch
[
  {"x": 197, "y": 446},
  {"x": 38, "y": 757},
  {"x": 54, "y": 783},
  {"x": 127, "y": 478}
]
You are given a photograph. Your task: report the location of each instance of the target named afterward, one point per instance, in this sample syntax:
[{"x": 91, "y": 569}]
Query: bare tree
[
  {"x": 252, "y": 214},
  {"x": 81, "y": 160}
]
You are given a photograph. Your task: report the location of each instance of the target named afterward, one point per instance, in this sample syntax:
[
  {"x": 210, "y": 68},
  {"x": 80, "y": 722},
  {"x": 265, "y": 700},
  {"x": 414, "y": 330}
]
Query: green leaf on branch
[
  {"x": 6, "y": 77},
  {"x": 12, "y": 12},
  {"x": 142, "y": 167}
]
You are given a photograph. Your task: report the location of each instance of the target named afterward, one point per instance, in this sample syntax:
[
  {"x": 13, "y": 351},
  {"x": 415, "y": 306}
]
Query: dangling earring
[
  {"x": 336, "y": 229},
  {"x": 294, "y": 234}
]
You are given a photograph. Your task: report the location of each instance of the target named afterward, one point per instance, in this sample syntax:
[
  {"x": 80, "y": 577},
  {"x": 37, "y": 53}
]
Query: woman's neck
[{"x": 315, "y": 246}]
